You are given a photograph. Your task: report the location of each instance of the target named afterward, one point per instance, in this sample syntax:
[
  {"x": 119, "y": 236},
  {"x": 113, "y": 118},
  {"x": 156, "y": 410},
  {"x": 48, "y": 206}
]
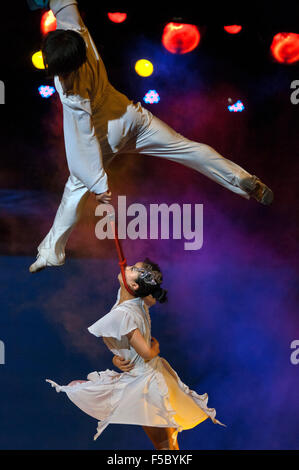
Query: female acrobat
[{"x": 150, "y": 393}]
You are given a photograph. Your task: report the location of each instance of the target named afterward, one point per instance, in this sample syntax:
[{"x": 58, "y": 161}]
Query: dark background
[{"x": 232, "y": 310}]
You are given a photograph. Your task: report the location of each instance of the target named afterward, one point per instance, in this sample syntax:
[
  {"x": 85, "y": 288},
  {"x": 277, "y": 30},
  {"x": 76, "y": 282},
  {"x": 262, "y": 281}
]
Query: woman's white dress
[{"x": 151, "y": 394}]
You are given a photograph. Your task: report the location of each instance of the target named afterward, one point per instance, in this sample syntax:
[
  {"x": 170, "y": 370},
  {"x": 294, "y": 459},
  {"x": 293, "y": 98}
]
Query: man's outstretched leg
[
  {"x": 158, "y": 139},
  {"x": 51, "y": 251}
]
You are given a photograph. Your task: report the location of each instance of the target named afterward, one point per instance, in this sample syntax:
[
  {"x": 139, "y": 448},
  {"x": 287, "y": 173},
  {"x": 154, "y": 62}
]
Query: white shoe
[{"x": 41, "y": 263}]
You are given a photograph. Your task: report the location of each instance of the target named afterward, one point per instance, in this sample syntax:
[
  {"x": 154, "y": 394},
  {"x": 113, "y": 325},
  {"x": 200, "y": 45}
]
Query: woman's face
[{"x": 131, "y": 275}]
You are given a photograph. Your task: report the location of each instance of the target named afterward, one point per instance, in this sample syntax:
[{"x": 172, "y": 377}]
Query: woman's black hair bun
[{"x": 160, "y": 295}]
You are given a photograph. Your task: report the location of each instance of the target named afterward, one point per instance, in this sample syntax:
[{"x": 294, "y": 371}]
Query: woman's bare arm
[{"x": 141, "y": 347}]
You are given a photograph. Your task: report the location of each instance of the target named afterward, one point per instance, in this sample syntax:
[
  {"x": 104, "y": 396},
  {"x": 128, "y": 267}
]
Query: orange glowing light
[
  {"x": 285, "y": 47},
  {"x": 48, "y": 22},
  {"x": 117, "y": 17},
  {"x": 179, "y": 38},
  {"x": 233, "y": 28}
]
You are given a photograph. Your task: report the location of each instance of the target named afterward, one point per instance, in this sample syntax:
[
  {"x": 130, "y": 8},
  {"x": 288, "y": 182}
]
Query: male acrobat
[{"x": 100, "y": 123}]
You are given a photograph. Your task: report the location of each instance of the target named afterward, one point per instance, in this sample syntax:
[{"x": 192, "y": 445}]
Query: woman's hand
[
  {"x": 122, "y": 364},
  {"x": 155, "y": 346},
  {"x": 104, "y": 197}
]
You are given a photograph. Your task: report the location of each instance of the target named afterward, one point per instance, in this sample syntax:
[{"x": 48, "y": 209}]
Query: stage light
[
  {"x": 152, "y": 96},
  {"x": 144, "y": 68},
  {"x": 37, "y": 60},
  {"x": 233, "y": 28},
  {"x": 238, "y": 106},
  {"x": 46, "y": 91},
  {"x": 285, "y": 47},
  {"x": 180, "y": 38},
  {"x": 48, "y": 22},
  {"x": 117, "y": 17}
]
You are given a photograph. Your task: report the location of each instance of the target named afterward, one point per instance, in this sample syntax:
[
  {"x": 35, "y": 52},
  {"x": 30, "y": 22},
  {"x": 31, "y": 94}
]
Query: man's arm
[{"x": 66, "y": 11}]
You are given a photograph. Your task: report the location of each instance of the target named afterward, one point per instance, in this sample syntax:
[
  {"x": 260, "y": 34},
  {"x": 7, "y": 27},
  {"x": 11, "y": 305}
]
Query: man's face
[{"x": 131, "y": 274}]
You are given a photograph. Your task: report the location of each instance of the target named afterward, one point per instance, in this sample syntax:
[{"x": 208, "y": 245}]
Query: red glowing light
[
  {"x": 285, "y": 47},
  {"x": 180, "y": 38},
  {"x": 233, "y": 28},
  {"x": 48, "y": 22},
  {"x": 117, "y": 17}
]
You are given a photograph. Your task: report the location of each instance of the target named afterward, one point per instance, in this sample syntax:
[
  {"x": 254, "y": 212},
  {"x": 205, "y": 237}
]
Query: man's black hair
[{"x": 64, "y": 51}]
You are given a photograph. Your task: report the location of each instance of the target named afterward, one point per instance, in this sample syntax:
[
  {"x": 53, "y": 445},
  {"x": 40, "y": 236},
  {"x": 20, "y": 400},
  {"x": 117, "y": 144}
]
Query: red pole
[{"x": 122, "y": 259}]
